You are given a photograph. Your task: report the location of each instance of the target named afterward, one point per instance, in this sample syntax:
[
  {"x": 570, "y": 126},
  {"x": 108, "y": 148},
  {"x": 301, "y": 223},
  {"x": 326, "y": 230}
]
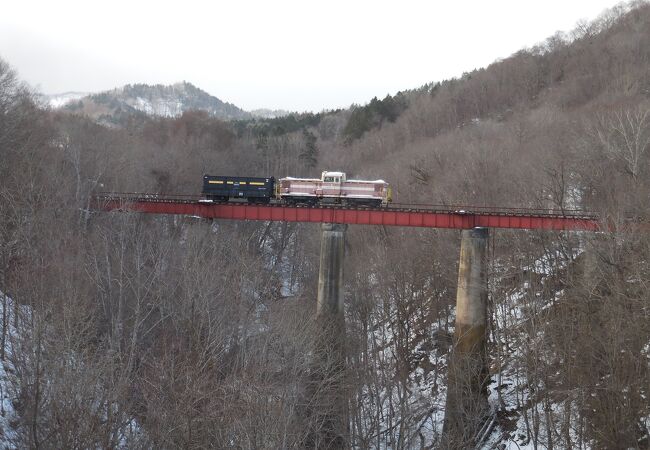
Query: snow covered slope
[{"x": 157, "y": 100}]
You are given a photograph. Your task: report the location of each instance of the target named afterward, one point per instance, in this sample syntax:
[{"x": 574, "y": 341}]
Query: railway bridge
[
  {"x": 404, "y": 215},
  {"x": 468, "y": 376}
]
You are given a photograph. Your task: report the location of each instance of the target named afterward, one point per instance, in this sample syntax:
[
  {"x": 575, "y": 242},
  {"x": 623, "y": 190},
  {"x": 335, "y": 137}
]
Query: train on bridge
[
  {"x": 330, "y": 188},
  {"x": 333, "y": 198}
]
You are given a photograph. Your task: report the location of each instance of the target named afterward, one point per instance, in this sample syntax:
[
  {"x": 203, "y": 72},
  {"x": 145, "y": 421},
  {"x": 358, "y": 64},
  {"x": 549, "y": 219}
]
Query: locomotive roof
[
  {"x": 318, "y": 179},
  {"x": 333, "y": 174}
]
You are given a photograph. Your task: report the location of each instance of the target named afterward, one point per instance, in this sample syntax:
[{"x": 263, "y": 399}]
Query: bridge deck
[{"x": 395, "y": 215}]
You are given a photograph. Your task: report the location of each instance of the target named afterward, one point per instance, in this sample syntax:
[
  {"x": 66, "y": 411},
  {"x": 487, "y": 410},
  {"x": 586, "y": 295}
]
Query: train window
[{"x": 329, "y": 179}]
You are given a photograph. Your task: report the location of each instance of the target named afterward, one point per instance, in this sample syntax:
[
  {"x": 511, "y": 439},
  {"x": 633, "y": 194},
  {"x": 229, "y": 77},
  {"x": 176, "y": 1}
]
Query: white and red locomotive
[
  {"x": 333, "y": 187},
  {"x": 330, "y": 188}
]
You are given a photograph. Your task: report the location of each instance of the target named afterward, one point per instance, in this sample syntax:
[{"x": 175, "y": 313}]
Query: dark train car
[{"x": 253, "y": 190}]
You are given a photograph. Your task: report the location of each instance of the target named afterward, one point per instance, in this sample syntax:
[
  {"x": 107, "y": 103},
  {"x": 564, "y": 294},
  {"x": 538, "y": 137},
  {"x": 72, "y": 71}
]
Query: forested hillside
[
  {"x": 132, "y": 331},
  {"x": 117, "y": 106}
]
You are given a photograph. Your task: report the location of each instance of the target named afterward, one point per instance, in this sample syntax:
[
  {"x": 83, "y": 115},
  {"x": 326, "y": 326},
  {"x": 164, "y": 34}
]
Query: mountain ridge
[{"x": 154, "y": 100}]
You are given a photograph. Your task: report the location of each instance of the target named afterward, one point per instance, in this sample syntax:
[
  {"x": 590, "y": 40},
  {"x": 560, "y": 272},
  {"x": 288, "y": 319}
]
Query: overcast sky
[{"x": 294, "y": 55}]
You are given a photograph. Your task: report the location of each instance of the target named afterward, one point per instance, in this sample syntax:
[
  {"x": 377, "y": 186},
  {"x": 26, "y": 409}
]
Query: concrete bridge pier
[
  {"x": 468, "y": 371},
  {"x": 328, "y": 395},
  {"x": 330, "y": 275}
]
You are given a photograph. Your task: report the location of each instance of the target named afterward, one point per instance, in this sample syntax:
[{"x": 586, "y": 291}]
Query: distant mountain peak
[{"x": 156, "y": 100}]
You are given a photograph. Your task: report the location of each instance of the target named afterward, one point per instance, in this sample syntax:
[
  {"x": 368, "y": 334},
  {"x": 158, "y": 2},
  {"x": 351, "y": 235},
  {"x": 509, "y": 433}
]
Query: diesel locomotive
[{"x": 330, "y": 188}]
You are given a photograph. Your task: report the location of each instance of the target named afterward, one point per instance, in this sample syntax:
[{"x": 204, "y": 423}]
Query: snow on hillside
[
  {"x": 130, "y": 433},
  {"x": 511, "y": 392},
  {"x": 422, "y": 417},
  {"x": 158, "y": 100},
  {"x": 264, "y": 113},
  {"x": 8, "y": 384},
  {"x": 159, "y": 106},
  {"x": 56, "y": 101}
]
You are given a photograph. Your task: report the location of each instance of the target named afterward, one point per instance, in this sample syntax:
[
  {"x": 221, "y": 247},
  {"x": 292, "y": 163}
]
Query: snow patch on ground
[
  {"x": 8, "y": 382},
  {"x": 408, "y": 410},
  {"x": 510, "y": 391}
]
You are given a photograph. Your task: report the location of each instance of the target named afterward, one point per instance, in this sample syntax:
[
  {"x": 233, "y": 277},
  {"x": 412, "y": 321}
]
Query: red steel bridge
[{"x": 431, "y": 216}]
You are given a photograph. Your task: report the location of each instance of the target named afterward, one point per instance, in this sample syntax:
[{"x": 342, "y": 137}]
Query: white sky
[{"x": 279, "y": 54}]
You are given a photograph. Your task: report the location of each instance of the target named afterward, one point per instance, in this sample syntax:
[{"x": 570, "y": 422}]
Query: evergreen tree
[
  {"x": 373, "y": 115},
  {"x": 309, "y": 154}
]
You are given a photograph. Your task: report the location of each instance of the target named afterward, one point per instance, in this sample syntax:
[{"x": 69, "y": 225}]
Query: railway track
[{"x": 135, "y": 197}]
